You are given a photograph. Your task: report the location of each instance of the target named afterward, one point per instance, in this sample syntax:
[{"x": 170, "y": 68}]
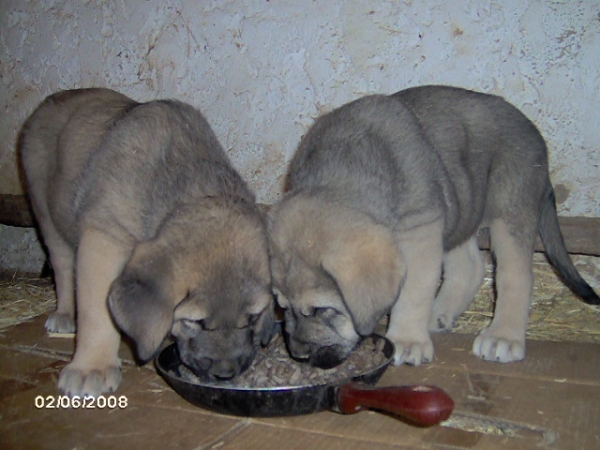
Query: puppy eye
[
  {"x": 323, "y": 312},
  {"x": 252, "y": 319},
  {"x": 310, "y": 312},
  {"x": 314, "y": 312},
  {"x": 189, "y": 323},
  {"x": 194, "y": 324}
]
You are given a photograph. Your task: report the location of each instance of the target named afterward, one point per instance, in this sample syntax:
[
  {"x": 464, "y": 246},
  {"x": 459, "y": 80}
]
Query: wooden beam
[
  {"x": 582, "y": 234},
  {"x": 15, "y": 211}
]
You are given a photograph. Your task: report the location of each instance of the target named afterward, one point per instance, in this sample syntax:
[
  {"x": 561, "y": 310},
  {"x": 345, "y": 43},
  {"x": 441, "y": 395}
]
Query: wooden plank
[
  {"x": 582, "y": 234},
  {"x": 15, "y": 211}
]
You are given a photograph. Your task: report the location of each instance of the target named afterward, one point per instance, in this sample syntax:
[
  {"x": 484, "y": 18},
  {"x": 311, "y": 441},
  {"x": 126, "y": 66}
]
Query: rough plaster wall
[
  {"x": 262, "y": 70},
  {"x": 21, "y": 250}
]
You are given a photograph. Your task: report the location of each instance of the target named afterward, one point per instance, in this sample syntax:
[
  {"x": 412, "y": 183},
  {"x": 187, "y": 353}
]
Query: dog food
[{"x": 273, "y": 367}]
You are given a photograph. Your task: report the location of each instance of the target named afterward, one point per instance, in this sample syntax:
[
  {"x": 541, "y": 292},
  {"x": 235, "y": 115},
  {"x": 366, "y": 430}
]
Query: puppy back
[
  {"x": 55, "y": 143},
  {"x": 161, "y": 155}
]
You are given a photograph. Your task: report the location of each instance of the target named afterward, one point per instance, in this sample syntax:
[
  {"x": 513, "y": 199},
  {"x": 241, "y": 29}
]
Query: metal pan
[{"x": 419, "y": 405}]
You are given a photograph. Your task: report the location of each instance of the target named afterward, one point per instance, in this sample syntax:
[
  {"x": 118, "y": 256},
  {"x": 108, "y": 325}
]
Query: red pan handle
[{"x": 421, "y": 405}]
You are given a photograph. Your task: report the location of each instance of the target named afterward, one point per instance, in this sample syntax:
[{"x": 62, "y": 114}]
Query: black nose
[
  {"x": 329, "y": 357},
  {"x": 224, "y": 378},
  {"x": 224, "y": 370}
]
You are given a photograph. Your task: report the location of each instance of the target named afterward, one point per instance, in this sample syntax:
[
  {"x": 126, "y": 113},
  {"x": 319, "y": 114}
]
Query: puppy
[
  {"x": 146, "y": 220},
  {"x": 387, "y": 192}
]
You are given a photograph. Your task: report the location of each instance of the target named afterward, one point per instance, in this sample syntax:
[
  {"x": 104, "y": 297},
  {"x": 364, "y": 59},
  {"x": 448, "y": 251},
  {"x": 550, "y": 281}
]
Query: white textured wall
[{"x": 262, "y": 70}]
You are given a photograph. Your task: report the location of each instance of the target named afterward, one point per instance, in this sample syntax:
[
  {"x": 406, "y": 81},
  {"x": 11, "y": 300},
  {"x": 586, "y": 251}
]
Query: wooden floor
[{"x": 550, "y": 400}]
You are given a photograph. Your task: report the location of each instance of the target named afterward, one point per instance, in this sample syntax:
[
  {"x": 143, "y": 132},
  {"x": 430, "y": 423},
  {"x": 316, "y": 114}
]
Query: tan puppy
[
  {"x": 387, "y": 192},
  {"x": 140, "y": 202}
]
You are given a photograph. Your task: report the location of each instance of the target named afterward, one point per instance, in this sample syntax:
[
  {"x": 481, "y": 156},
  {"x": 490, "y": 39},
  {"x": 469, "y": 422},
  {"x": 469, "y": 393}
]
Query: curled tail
[{"x": 557, "y": 252}]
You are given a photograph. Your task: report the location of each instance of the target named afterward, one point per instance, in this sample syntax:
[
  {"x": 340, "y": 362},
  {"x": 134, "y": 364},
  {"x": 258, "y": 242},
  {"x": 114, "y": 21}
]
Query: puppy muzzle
[
  {"x": 208, "y": 369},
  {"x": 299, "y": 350},
  {"x": 225, "y": 370},
  {"x": 329, "y": 357},
  {"x": 323, "y": 357}
]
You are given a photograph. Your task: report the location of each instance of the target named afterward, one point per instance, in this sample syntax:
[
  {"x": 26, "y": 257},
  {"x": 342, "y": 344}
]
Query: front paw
[
  {"x": 491, "y": 347},
  {"x": 60, "y": 323},
  {"x": 76, "y": 380},
  {"x": 412, "y": 352}
]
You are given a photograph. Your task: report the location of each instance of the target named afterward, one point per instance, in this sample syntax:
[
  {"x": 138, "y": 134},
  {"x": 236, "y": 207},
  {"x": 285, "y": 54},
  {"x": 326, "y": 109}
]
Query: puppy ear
[
  {"x": 266, "y": 322},
  {"x": 139, "y": 303},
  {"x": 369, "y": 271}
]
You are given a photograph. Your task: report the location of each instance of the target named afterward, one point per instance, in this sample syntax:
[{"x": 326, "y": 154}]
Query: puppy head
[
  {"x": 335, "y": 272},
  {"x": 217, "y": 339},
  {"x": 205, "y": 279}
]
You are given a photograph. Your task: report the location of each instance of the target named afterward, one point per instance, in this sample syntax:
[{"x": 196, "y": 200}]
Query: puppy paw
[
  {"x": 495, "y": 348},
  {"x": 412, "y": 353},
  {"x": 441, "y": 322},
  {"x": 60, "y": 323},
  {"x": 89, "y": 381}
]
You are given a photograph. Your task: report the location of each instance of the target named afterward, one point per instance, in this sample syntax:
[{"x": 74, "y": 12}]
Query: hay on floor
[
  {"x": 22, "y": 299},
  {"x": 555, "y": 315}
]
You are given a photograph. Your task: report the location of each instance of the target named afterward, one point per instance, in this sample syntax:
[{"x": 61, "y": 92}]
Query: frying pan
[{"x": 419, "y": 405}]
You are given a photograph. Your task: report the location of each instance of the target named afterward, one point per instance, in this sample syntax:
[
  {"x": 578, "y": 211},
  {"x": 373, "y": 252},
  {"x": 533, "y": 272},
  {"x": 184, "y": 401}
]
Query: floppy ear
[
  {"x": 140, "y": 305},
  {"x": 369, "y": 271},
  {"x": 265, "y": 323}
]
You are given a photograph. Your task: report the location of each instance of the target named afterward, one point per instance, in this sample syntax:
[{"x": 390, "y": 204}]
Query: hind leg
[
  {"x": 95, "y": 367},
  {"x": 463, "y": 273},
  {"x": 63, "y": 319},
  {"x": 62, "y": 259},
  {"x": 504, "y": 339}
]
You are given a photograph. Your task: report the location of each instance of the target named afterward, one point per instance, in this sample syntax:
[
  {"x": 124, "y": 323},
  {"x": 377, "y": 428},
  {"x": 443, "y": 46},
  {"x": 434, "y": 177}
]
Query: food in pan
[{"x": 272, "y": 367}]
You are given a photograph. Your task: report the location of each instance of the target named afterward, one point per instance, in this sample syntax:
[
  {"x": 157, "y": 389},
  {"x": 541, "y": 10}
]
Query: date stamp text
[{"x": 76, "y": 402}]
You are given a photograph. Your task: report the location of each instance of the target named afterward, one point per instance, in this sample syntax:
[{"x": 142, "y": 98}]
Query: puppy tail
[{"x": 557, "y": 252}]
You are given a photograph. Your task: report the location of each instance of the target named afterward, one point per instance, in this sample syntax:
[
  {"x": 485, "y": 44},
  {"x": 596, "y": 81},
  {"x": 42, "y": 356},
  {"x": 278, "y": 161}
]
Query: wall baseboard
[{"x": 581, "y": 234}]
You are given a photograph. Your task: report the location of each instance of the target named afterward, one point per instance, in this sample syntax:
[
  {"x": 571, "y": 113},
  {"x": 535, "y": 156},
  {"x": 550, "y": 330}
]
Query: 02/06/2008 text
[{"x": 65, "y": 402}]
